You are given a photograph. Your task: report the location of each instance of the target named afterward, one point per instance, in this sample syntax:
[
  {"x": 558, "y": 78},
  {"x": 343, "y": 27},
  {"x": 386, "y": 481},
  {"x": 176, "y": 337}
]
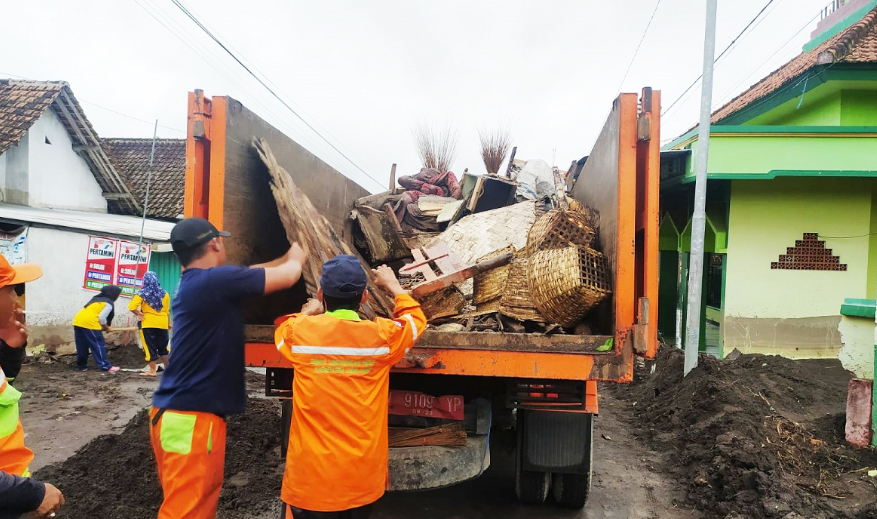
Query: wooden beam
[{"x": 523, "y": 342}]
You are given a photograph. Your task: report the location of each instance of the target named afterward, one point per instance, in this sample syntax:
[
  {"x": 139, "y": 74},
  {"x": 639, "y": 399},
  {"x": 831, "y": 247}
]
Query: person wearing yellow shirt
[
  {"x": 89, "y": 325},
  {"x": 152, "y": 307}
]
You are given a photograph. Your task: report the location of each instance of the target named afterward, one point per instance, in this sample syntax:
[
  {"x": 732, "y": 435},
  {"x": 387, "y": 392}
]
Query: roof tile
[
  {"x": 167, "y": 186},
  {"x": 856, "y": 44}
]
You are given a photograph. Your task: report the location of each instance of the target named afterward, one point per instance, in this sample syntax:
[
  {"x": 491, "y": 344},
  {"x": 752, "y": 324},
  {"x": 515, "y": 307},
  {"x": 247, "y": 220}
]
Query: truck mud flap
[{"x": 555, "y": 441}]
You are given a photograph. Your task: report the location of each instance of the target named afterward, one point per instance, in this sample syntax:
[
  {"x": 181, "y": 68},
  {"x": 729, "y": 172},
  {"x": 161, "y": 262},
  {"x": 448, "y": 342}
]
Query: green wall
[
  {"x": 820, "y": 107},
  {"x": 764, "y": 153},
  {"x": 859, "y": 108},
  {"x": 766, "y": 217}
]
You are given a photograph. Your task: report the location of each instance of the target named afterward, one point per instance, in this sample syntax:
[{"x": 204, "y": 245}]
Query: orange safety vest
[
  {"x": 15, "y": 458},
  {"x": 337, "y": 456}
]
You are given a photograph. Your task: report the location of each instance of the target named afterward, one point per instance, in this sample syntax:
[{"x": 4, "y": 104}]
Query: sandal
[{"x": 149, "y": 373}]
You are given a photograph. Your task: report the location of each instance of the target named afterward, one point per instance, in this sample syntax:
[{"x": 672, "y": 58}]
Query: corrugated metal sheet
[
  {"x": 168, "y": 268},
  {"x": 101, "y": 223}
]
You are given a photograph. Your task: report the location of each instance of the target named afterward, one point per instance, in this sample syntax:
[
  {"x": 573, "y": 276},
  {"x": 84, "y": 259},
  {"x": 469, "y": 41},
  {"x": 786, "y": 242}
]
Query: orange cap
[{"x": 14, "y": 275}]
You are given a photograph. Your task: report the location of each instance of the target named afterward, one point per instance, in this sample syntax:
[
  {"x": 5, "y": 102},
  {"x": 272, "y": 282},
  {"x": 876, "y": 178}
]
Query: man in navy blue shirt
[{"x": 204, "y": 381}]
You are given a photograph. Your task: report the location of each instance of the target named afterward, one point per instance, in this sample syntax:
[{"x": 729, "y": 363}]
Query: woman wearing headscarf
[
  {"x": 152, "y": 306},
  {"x": 88, "y": 327}
]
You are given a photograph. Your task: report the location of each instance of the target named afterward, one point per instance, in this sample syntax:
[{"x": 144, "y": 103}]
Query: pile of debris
[
  {"x": 492, "y": 253},
  {"x": 756, "y": 436}
]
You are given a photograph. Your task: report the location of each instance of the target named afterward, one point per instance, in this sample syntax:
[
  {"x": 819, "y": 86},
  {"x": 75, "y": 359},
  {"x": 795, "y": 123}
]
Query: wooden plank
[
  {"x": 307, "y": 226},
  {"x": 523, "y": 342}
]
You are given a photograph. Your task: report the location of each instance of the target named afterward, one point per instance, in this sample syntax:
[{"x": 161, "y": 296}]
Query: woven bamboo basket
[
  {"x": 516, "y": 301},
  {"x": 557, "y": 229},
  {"x": 444, "y": 303},
  {"x": 567, "y": 283},
  {"x": 489, "y": 285},
  {"x": 591, "y": 215},
  {"x": 491, "y": 306}
]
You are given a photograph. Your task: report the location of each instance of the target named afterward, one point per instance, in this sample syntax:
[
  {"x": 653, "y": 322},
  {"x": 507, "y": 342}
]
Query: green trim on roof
[
  {"x": 770, "y": 175},
  {"x": 859, "y": 308},
  {"x": 682, "y": 138},
  {"x": 725, "y": 129},
  {"x": 844, "y": 23}
]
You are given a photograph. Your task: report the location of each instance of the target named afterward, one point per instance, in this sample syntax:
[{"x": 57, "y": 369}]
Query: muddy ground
[
  {"x": 664, "y": 448},
  {"x": 755, "y": 436}
]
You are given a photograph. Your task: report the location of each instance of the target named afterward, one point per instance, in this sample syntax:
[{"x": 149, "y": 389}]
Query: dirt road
[{"x": 63, "y": 410}]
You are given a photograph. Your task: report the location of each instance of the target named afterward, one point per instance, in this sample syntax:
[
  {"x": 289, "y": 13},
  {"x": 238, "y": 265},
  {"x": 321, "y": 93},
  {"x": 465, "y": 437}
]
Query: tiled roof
[
  {"x": 21, "y": 106},
  {"x": 167, "y": 187},
  {"x": 857, "y": 44},
  {"x": 23, "y": 102}
]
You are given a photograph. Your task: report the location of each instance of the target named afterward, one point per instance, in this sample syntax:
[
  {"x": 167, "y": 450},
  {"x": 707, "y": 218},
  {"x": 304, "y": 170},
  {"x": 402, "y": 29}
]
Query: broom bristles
[
  {"x": 437, "y": 147},
  {"x": 495, "y": 146}
]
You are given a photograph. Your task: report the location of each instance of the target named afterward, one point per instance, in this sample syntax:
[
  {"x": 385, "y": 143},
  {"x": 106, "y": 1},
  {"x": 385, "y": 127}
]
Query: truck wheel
[
  {"x": 532, "y": 487},
  {"x": 571, "y": 490}
]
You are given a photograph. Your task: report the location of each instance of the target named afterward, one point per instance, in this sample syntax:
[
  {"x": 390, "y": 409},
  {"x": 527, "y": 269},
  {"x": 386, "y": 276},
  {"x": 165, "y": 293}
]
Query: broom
[{"x": 447, "y": 435}]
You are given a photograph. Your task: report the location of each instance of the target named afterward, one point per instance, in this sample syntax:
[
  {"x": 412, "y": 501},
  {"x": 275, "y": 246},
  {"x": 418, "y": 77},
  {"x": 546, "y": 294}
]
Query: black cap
[{"x": 193, "y": 232}]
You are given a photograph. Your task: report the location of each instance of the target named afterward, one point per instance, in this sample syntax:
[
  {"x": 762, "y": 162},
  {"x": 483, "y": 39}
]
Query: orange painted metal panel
[
  {"x": 216, "y": 190},
  {"x": 465, "y": 362},
  {"x": 624, "y": 290},
  {"x": 197, "y": 156}
]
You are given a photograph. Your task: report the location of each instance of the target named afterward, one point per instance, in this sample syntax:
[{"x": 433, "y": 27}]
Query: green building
[{"x": 792, "y": 201}]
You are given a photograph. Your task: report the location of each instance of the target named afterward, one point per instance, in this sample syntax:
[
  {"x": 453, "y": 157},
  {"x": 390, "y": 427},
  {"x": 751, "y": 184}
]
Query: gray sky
[{"x": 364, "y": 72}]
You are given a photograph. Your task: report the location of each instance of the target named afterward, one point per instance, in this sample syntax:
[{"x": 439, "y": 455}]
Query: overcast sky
[{"x": 364, "y": 72}]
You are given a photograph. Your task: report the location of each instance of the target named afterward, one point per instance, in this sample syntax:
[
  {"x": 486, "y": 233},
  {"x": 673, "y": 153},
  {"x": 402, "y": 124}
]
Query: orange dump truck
[{"x": 543, "y": 386}]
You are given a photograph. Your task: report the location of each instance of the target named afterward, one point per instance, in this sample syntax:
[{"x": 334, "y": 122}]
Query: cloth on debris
[
  {"x": 535, "y": 180},
  {"x": 432, "y": 182},
  {"x": 410, "y": 216}
]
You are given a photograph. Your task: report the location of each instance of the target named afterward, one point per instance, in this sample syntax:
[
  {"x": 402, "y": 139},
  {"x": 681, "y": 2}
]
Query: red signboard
[
  {"x": 420, "y": 404},
  {"x": 131, "y": 267},
  {"x": 100, "y": 263}
]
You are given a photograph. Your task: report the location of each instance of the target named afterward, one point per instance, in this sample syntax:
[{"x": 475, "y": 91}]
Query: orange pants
[{"x": 189, "y": 449}]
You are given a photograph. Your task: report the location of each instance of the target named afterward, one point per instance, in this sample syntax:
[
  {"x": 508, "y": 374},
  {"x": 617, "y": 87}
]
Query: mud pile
[
  {"x": 756, "y": 436},
  {"x": 114, "y": 476}
]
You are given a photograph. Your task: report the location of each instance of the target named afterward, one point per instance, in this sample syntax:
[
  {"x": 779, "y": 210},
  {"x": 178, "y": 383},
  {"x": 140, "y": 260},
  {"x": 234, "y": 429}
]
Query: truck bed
[{"x": 227, "y": 184}]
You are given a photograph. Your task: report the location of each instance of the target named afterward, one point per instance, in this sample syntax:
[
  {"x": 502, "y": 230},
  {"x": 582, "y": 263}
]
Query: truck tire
[
  {"x": 531, "y": 486},
  {"x": 571, "y": 490}
]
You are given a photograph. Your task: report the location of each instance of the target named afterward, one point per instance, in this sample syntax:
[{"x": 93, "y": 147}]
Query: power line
[
  {"x": 215, "y": 62},
  {"x": 728, "y": 48},
  {"x": 301, "y": 111},
  {"x": 633, "y": 58},
  {"x": 780, "y": 48},
  {"x": 269, "y": 89}
]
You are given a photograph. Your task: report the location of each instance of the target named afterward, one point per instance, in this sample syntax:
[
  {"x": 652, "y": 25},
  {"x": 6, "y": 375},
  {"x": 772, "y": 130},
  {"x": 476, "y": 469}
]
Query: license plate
[{"x": 419, "y": 404}]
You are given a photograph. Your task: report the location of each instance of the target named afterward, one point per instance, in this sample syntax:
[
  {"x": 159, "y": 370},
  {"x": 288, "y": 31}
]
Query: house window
[{"x": 715, "y": 268}]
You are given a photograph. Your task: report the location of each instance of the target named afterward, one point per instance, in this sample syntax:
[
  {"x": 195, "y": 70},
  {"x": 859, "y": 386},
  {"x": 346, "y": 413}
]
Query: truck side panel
[
  {"x": 224, "y": 164},
  {"x": 607, "y": 183}
]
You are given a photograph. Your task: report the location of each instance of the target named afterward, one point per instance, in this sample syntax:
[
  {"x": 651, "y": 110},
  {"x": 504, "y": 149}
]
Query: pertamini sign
[{"x": 115, "y": 262}]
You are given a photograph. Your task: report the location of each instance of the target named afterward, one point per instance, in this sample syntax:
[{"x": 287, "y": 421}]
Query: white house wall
[
  {"x": 53, "y": 300},
  {"x": 15, "y": 186},
  {"x": 59, "y": 177}
]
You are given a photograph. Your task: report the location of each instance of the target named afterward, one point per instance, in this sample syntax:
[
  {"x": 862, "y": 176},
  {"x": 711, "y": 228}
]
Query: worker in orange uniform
[
  {"x": 204, "y": 381},
  {"x": 19, "y": 493},
  {"x": 336, "y": 463}
]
